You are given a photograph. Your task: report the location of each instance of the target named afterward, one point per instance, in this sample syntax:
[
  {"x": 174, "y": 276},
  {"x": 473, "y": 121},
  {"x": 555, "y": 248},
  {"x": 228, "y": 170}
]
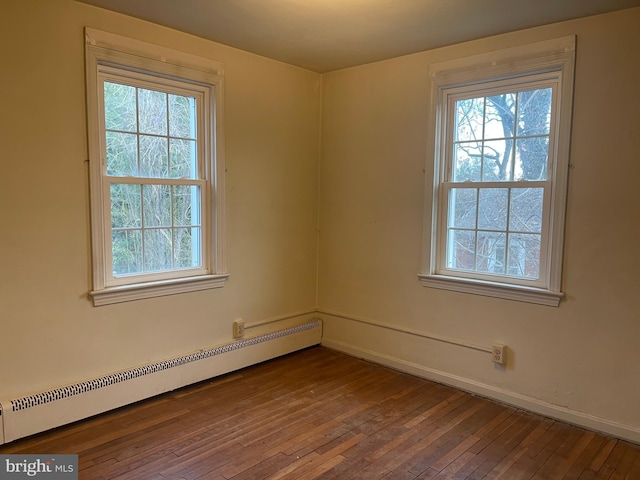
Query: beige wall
[
  {"x": 51, "y": 335},
  {"x": 582, "y": 357}
]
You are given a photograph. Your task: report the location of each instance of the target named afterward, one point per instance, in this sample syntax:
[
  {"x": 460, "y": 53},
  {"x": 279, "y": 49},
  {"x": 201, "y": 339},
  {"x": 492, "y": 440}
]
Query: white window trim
[
  {"x": 103, "y": 49},
  {"x": 557, "y": 55}
]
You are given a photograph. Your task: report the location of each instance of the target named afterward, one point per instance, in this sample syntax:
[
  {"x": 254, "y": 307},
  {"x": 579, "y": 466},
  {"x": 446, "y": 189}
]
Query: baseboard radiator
[{"x": 42, "y": 411}]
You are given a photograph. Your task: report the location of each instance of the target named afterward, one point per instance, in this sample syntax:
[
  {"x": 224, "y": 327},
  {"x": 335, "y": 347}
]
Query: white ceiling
[{"x": 326, "y": 35}]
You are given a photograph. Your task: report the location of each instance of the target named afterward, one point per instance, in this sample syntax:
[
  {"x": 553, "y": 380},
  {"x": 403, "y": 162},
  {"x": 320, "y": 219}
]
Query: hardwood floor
[{"x": 318, "y": 414}]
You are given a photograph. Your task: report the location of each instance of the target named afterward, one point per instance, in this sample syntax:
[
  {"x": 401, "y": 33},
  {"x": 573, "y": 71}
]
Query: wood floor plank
[
  {"x": 579, "y": 456},
  {"x": 610, "y": 464},
  {"x": 554, "y": 465},
  {"x": 626, "y": 462},
  {"x": 324, "y": 462},
  {"x": 265, "y": 467},
  {"x": 502, "y": 446},
  {"x": 634, "y": 471},
  {"x": 603, "y": 454},
  {"x": 538, "y": 447},
  {"x": 414, "y": 427},
  {"x": 349, "y": 468},
  {"x": 452, "y": 469},
  {"x": 511, "y": 465},
  {"x": 399, "y": 475},
  {"x": 321, "y": 415},
  {"x": 460, "y": 439}
]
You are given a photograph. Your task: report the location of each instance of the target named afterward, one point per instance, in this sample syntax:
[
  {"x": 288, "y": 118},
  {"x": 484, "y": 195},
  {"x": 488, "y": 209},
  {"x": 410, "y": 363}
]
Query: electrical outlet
[
  {"x": 499, "y": 354},
  {"x": 238, "y": 329}
]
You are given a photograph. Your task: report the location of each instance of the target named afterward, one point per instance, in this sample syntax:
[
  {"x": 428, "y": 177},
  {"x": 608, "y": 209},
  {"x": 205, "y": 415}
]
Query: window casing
[
  {"x": 500, "y": 144},
  {"x": 156, "y": 170}
]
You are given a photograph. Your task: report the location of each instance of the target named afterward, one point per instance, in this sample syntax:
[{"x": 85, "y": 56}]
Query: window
[
  {"x": 155, "y": 170},
  {"x": 500, "y": 146}
]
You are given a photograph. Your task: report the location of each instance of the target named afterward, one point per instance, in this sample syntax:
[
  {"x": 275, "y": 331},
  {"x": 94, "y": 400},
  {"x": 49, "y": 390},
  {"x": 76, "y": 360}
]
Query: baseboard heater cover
[{"x": 45, "y": 410}]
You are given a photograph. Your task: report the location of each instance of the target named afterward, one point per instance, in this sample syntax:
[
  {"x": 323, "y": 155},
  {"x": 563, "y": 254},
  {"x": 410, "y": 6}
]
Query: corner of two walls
[{"x": 372, "y": 192}]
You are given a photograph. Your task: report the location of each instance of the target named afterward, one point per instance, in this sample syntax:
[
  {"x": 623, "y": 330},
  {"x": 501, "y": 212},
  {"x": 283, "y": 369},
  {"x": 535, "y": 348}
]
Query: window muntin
[{"x": 496, "y": 182}]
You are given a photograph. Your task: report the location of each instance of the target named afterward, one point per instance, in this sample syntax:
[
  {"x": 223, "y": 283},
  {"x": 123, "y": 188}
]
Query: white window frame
[
  {"x": 107, "y": 54},
  {"x": 548, "y": 62}
]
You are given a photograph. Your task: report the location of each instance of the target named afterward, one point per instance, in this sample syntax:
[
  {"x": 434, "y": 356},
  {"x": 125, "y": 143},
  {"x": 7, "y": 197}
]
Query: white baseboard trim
[{"x": 591, "y": 422}]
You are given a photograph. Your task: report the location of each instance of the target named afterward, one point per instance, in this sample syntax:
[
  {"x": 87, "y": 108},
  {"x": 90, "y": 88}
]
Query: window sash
[
  {"x": 167, "y": 86},
  {"x": 451, "y": 95},
  {"x": 177, "y": 272},
  {"x": 445, "y": 227}
]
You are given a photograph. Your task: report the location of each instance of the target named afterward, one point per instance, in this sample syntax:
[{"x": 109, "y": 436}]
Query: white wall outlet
[
  {"x": 499, "y": 354},
  {"x": 238, "y": 329}
]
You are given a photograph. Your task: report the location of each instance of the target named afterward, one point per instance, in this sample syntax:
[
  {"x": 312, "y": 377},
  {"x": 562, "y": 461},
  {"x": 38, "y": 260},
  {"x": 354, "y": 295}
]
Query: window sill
[
  {"x": 138, "y": 291},
  {"x": 489, "y": 289}
]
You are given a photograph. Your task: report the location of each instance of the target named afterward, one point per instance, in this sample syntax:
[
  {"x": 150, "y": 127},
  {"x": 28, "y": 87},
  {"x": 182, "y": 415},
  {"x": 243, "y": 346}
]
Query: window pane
[
  {"x": 532, "y": 155},
  {"x": 186, "y": 205},
  {"x": 490, "y": 252},
  {"x": 525, "y": 213},
  {"x": 157, "y": 205},
  {"x": 187, "y": 247},
  {"x": 534, "y": 112},
  {"x": 126, "y": 252},
  {"x": 182, "y": 158},
  {"x": 496, "y": 160},
  {"x": 152, "y": 109},
  {"x": 182, "y": 116},
  {"x": 524, "y": 255},
  {"x": 125, "y": 206},
  {"x": 469, "y": 119},
  {"x": 461, "y": 246},
  {"x": 119, "y": 107},
  {"x": 122, "y": 153},
  {"x": 462, "y": 207},
  {"x": 500, "y": 116},
  {"x": 492, "y": 208},
  {"x": 154, "y": 158},
  {"x": 157, "y": 249},
  {"x": 467, "y": 161}
]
